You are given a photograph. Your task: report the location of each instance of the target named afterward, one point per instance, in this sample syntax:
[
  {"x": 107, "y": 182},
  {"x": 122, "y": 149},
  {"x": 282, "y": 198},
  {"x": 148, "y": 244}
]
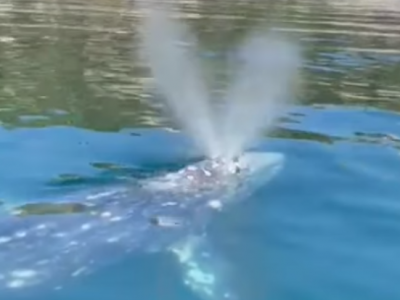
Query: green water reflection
[{"x": 75, "y": 63}]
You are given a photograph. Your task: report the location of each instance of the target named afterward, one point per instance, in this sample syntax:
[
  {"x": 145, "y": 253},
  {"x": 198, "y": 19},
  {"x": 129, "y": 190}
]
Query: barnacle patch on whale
[{"x": 47, "y": 208}]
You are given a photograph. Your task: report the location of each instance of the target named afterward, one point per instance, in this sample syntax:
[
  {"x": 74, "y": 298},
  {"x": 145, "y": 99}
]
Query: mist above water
[
  {"x": 262, "y": 87},
  {"x": 177, "y": 74},
  {"x": 265, "y": 69}
]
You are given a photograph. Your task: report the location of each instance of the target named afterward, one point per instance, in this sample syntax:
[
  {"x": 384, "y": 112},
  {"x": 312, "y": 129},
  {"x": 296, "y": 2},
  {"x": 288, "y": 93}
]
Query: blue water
[
  {"x": 327, "y": 227},
  {"x": 36, "y": 160}
]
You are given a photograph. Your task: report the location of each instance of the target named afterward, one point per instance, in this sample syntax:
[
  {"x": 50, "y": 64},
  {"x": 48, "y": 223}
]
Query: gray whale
[{"x": 165, "y": 213}]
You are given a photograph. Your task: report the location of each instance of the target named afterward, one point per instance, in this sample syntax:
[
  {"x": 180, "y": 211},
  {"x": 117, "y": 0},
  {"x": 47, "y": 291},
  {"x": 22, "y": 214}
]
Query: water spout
[
  {"x": 262, "y": 87},
  {"x": 178, "y": 75},
  {"x": 265, "y": 70}
]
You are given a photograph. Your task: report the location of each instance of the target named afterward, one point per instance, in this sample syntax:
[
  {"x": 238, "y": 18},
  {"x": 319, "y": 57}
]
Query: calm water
[{"x": 74, "y": 113}]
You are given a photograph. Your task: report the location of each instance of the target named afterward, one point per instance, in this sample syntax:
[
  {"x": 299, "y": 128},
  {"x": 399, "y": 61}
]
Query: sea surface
[{"x": 75, "y": 113}]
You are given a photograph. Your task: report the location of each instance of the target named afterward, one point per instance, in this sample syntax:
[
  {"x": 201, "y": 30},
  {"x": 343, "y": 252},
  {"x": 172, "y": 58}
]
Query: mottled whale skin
[{"x": 44, "y": 252}]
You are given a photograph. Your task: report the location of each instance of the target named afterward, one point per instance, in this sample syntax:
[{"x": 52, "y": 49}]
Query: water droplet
[
  {"x": 20, "y": 234},
  {"x": 17, "y": 283},
  {"x": 4, "y": 239},
  {"x": 24, "y": 273},
  {"x": 78, "y": 272},
  {"x": 106, "y": 214},
  {"x": 86, "y": 226}
]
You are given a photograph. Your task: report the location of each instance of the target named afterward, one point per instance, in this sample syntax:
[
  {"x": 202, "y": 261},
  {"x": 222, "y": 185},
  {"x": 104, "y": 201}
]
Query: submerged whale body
[{"x": 165, "y": 213}]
